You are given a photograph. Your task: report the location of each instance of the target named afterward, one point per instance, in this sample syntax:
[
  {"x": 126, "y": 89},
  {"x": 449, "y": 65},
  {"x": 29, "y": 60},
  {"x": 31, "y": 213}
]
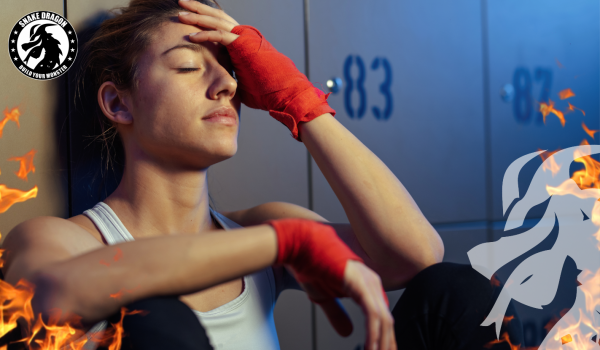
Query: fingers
[
  {"x": 218, "y": 36},
  {"x": 337, "y": 316},
  {"x": 200, "y": 8},
  {"x": 364, "y": 286},
  {"x": 205, "y": 21}
]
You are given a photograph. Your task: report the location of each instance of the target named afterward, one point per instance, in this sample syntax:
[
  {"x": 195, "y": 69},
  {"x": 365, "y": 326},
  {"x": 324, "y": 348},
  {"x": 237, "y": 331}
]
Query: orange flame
[
  {"x": 569, "y": 329},
  {"x": 504, "y": 338},
  {"x": 566, "y": 339},
  {"x": 573, "y": 108},
  {"x": 588, "y": 131},
  {"x": 15, "y": 303},
  {"x": 120, "y": 293},
  {"x": 10, "y": 196},
  {"x": 26, "y": 164},
  {"x": 118, "y": 254},
  {"x": 13, "y": 115},
  {"x": 587, "y": 177},
  {"x": 547, "y": 108},
  {"x": 552, "y": 166},
  {"x": 565, "y": 94},
  {"x": 495, "y": 281}
]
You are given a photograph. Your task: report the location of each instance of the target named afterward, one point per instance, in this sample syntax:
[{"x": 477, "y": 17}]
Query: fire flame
[
  {"x": 547, "y": 108},
  {"x": 15, "y": 301},
  {"x": 503, "y": 339},
  {"x": 120, "y": 293},
  {"x": 576, "y": 332},
  {"x": 10, "y": 196},
  {"x": 15, "y": 304},
  {"x": 552, "y": 166},
  {"x": 118, "y": 254},
  {"x": 12, "y": 115},
  {"x": 566, "y": 339},
  {"x": 565, "y": 94},
  {"x": 588, "y": 131},
  {"x": 26, "y": 164},
  {"x": 573, "y": 108},
  {"x": 589, "y": 176}
]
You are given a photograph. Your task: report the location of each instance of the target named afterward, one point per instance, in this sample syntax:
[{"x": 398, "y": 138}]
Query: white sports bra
[{"x": 243, "y": 323}]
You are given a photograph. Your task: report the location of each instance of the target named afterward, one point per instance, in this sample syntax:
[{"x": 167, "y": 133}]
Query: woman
[{"x": 165, "y": 83}]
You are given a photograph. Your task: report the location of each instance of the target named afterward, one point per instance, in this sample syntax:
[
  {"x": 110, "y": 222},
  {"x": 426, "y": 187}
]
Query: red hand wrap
[
  {"x": 314, "y": 252},
  {"x": 269, "y": 80}
]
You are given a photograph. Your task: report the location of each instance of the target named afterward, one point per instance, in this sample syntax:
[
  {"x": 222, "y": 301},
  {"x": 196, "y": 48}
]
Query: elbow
[
  {"x": 52, "y": 293},
  {"x": 49, "y": 294}
]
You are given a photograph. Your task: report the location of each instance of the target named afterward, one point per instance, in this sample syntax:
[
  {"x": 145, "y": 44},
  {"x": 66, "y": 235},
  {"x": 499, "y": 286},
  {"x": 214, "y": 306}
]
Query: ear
[{"x": 115, "y": 104}]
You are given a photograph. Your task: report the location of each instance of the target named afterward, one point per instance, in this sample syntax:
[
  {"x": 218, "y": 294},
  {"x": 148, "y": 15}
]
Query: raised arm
[{"x": 384, "y": 218}]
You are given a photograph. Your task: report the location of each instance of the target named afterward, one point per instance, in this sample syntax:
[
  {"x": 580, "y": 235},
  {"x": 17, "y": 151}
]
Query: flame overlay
[
  {"x": 15, "y": 304},
  {"x": 10, "y": 196},
  {"x": 13, "y": 115},
  {"x": 547, "y": 108},
  {"x": 588, "y": 131},
  {"x": 565, "y": 94},
  {"x": 26, "y": 164}
]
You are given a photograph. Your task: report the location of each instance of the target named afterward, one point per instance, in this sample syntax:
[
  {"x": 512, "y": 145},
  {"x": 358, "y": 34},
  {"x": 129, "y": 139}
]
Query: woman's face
[{"x": 180, "y": 84}]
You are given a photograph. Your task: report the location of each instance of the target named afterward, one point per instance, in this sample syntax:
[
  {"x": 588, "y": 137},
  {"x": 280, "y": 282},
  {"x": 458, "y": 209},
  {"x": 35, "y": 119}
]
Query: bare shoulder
[
  {"x": 271, "y": 211},
  {"x": 41, "y": 241}
]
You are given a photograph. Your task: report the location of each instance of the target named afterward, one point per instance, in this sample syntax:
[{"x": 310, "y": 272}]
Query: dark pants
[{"x": 441, "y": 308}]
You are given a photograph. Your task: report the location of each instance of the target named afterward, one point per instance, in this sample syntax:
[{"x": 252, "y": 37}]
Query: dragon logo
[
  {"x": 42, "y": 45},
  {"x": 535, "y": 281}
]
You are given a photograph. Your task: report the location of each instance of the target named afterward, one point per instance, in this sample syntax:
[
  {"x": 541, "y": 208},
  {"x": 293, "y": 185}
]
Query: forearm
[
  {"x": 174, "y": 265},
  {"x": 384, "y": 217}
]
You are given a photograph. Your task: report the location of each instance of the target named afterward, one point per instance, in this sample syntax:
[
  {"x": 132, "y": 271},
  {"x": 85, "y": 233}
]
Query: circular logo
[{"x": 42, "y": 45}]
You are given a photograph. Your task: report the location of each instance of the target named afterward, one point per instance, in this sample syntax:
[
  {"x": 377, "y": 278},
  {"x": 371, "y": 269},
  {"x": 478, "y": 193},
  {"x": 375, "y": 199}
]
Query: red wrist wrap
[
  {"x": 269, "y": 80},
  {"x": 314, "y": 252}
]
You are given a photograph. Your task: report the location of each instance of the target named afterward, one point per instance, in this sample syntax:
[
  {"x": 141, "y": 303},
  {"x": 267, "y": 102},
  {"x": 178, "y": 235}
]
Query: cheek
[{"x": 167, "y": 110}]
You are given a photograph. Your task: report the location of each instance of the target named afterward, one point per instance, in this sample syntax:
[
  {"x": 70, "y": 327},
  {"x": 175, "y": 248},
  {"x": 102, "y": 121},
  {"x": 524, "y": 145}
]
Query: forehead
[{"x": 174, "y": 33}]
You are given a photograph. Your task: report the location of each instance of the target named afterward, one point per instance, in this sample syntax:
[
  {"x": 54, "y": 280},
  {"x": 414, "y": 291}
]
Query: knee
[{"x": 457, "y": 280}]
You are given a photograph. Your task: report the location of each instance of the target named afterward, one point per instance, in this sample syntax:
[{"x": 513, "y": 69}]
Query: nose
[{"x": 223, "y": 85}]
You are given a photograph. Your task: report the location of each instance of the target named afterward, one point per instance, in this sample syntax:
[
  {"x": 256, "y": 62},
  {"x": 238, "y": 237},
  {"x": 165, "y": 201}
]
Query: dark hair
[{"x": 112, "y": 54}]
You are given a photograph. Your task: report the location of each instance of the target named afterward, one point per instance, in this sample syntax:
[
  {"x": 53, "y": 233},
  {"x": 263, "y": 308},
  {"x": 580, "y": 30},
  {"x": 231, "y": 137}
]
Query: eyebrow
[{"x": 193, "y": 47}]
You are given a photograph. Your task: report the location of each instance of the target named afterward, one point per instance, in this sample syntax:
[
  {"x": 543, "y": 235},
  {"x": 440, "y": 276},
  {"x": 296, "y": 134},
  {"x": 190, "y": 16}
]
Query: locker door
[
  {"x": 537, "y": 49},
  {"x": 418, "y": 67},
  {"x": 423, "y": 61},
  {"x": 40, "y": 105}
]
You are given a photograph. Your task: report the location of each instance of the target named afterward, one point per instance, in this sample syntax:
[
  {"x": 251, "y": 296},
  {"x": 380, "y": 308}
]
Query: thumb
[{"x": 337, "y": 316}]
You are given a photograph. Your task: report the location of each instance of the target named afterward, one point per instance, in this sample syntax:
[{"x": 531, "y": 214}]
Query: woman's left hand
[
  {"x": 204, "y": 16},
  {"x": 267, "y": 79}
]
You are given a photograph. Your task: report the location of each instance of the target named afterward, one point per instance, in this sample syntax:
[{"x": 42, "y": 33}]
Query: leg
[
  {"x": 443, "y": 307},
  {"x": 169, "y": 324}
]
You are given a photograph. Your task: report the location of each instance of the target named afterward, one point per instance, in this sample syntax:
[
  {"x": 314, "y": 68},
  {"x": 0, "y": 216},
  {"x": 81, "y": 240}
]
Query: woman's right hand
[
  {"x": 363, "y": 285},
  {"x": 327, "y": 269}
]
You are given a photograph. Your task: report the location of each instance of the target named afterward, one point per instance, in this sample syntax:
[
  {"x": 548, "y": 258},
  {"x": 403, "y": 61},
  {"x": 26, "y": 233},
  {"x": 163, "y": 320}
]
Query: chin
[{"x": 224, "y": 150}]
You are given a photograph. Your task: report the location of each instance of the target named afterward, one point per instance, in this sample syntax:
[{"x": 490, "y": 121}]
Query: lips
[{"x": 223, "y": 115}]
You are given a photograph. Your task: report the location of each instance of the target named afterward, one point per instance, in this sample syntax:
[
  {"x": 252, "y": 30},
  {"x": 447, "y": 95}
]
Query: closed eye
[{"x": 187, "y": 70}]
